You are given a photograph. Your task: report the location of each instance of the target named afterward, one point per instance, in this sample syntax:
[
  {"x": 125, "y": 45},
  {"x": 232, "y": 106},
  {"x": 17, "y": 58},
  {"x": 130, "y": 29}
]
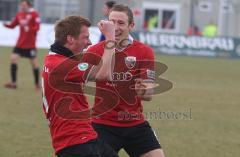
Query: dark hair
[
  {"x": 125, "y": 9},
  {"x": 70, "y": 25},
  {"x": 29, "y": 2},
  {"x": 110, "y": 4}
]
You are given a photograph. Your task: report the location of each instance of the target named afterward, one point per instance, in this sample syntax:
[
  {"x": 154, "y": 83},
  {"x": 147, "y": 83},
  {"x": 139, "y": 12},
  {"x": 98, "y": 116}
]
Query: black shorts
[
  {"x": 28, "y": 53},
  {"x": 93, "y": 148},
  {"x": 136, "y": 140}
]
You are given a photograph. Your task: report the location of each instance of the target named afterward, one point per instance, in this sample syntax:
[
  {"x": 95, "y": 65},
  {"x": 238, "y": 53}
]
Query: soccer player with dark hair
[
  {"x": 64, "y": 76},
  {"x": 29, "y": 22},
  {"x": 124, "y": 126}
]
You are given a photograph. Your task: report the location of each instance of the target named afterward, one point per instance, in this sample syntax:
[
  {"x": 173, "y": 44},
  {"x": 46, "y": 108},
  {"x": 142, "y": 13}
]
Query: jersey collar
[
  {"x": 130, "y": 42},
  {"x": 59, "y": 49}
]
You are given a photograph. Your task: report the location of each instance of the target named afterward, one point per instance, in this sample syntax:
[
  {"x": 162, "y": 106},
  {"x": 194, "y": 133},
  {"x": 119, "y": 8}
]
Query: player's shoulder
[
  {"x": 97, "y": 46},
  {"x": 34, "y": 12},
  {"x": 142, "y": 49},
  {"x": 53, "y": 59}
]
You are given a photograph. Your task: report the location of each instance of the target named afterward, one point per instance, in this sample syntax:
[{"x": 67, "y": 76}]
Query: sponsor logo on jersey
[
  {"x": 130, "y": 61},
  {"x": 82, "y": 66}
]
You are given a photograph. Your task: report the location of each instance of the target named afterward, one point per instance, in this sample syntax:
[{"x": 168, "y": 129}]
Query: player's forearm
[
  {"x": 9, "y": 25},
  {"x": 36, "y": 27},
  {"x": 107, "y": 65},
  {"x": 108, "y": 59}
]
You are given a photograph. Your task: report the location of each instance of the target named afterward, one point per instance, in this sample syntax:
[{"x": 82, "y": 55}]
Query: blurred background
[
  {"x": 178, "y": 27},
  {"x": 173, "y": 16}
]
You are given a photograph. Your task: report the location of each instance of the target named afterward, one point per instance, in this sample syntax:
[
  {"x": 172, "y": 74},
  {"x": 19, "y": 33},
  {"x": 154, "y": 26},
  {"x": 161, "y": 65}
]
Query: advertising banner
[{"x": 175, "y": 44}]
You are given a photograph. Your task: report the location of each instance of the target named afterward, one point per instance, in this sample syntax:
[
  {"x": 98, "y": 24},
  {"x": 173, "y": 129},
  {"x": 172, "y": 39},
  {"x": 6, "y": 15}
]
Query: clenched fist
[{"x": 107, "y": 28}]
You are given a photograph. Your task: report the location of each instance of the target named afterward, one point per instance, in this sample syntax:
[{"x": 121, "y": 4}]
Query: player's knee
[{"x": 14, "y": 58}]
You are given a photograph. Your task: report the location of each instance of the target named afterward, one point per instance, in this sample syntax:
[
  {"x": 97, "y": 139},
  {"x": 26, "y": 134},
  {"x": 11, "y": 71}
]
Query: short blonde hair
[{"x": 125, "y": 9}]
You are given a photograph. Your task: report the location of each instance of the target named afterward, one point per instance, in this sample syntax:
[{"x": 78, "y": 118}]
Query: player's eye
[{"x": 121, "y": 23}]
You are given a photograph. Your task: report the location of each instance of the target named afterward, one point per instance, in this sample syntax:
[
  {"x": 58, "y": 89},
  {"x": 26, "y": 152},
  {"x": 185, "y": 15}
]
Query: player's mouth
[{"x": 118, "y": 34}]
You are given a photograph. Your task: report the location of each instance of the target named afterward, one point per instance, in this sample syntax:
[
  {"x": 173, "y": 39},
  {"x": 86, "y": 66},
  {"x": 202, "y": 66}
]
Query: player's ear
[
  {"x": 131, "y": 26},
  {"x": 70, "y": 39}
]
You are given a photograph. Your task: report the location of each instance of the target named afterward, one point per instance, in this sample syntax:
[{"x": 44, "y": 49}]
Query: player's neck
[
  {"x": 26, "y": 10},
  {"x": 124, "y": 43}
]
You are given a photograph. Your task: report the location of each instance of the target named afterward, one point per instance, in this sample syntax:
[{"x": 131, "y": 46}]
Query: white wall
[{"x": 8, "y": 37}]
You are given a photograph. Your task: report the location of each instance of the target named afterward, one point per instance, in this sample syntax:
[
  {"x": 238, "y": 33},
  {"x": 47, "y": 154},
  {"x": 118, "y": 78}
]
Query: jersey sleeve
[
  {"x": 146, "y": 65},
  {"x": 36, "y": 22}
]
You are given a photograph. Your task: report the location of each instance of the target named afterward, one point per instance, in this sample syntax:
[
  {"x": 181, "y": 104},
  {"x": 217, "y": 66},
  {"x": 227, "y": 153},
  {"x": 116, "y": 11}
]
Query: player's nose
[{"x": 116, "y": 26}]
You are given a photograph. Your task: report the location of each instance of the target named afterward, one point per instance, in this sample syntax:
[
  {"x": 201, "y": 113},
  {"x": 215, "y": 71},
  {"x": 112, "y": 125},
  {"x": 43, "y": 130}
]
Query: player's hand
[
  {"x": 107, "y": 28},
  {"x": 26, "y": 28},
  {"x": 5, "y": 24},
  {"x": 140, "y": 87}
]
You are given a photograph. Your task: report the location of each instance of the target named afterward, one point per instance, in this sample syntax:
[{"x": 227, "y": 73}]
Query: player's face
[
  {"x": 24, "y": 6},
  {"x": 82, "y": 41},
  {"x": 122, "y": 27}
]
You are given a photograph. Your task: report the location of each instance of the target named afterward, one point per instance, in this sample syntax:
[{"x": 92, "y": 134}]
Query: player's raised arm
[
  {"x": 103, "y": 71},
  {"x": 11, "y": 24},
  {"x": 36, "y": 25}
]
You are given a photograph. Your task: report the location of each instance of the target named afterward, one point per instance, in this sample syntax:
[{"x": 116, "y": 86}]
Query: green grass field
[{"x": 210, "y": 88}]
